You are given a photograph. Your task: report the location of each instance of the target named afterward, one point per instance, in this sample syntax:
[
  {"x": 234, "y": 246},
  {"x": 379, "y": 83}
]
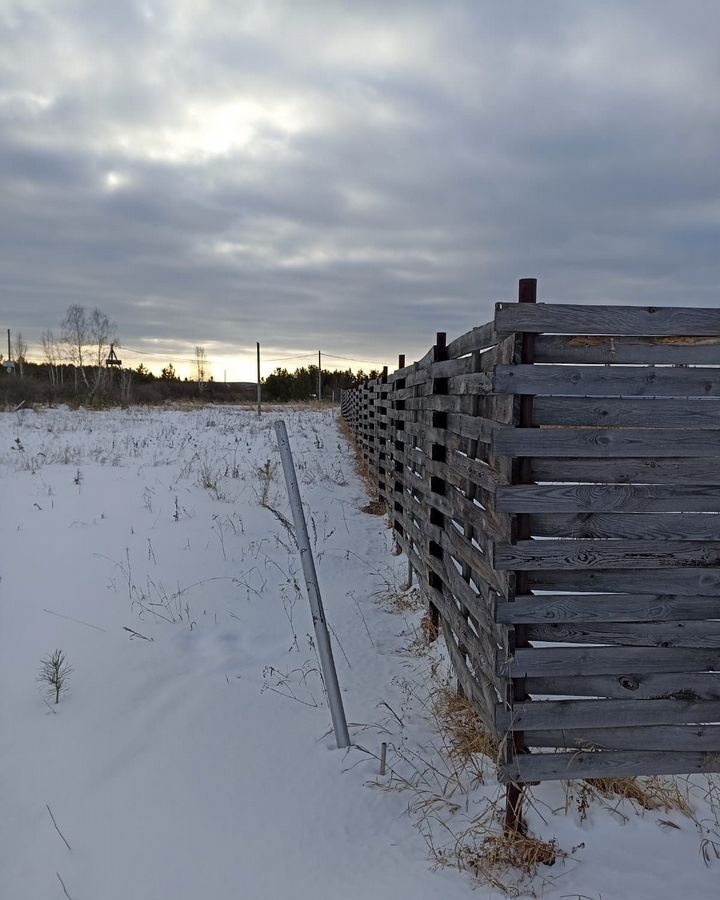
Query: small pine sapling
[{"x": 54, "y": 674}]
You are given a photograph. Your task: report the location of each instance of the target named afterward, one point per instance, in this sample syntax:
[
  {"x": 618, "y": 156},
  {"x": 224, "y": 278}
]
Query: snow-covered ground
[{"x": 191, "y": 757}]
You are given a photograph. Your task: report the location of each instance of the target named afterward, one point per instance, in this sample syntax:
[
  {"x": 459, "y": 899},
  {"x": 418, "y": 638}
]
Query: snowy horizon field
[{"x": 191, "y": 756}]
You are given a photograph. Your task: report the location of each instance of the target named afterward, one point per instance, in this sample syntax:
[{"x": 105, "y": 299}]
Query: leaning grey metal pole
[{"x": 322, "y": 635}]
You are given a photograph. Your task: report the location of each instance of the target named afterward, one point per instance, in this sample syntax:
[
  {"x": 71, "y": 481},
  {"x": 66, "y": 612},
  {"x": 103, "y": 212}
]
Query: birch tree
[{"x": 75, "y": 338}]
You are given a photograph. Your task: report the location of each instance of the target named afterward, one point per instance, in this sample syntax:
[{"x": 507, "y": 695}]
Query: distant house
[{"x": 9, "y": 366}]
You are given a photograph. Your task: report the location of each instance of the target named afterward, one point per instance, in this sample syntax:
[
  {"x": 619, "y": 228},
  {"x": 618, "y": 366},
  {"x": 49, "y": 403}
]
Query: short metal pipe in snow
[{"x": 322, "y": 635}]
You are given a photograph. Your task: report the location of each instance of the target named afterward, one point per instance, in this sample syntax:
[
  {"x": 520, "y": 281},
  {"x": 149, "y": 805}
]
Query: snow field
[{"x": 191, "y": 756}]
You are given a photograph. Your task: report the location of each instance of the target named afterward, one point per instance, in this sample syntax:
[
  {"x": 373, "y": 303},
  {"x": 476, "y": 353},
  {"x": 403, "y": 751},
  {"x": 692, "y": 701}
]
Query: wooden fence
[{"x": 554, "y": 479}]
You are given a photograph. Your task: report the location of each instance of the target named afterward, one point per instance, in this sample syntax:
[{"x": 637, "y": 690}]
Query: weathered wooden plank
[
  {"x": 555, "y": 714},
  {"x": 691, "y": 687},
  {"x": 418, "y": 377},
  {"x": 481, "y": 646},
  {"x": 441, "y": 403},
  {"x": 458, "y": 546},
  {"x": 625, "y": 471},
  {"x": 627, "y": 411},
  {"x": 476, "y": 383},
  {"x": 605, "y": 554},
  {"x": 474, "y": 427},
  {"x": 675, "y": 738},
  {"x": 477, "y": 339},
  {"x": 699, "y": 582},
  {"x": 417, "y": 390},
  {"x": 678, "y": 526},
  {"x": 482, "y": 696},
  {"x": 451, "y": 368},
  {"x": 681, "y": 633},
  {"x": 480, "y": 473},
  {"x": 613, "y": 320},
  {"x": 582, "y": 661},
  {"x": 545, "y": 609},
  {"x": 589, "y": 349},
  {"x": 432, "y": 435},
  {"x": 488, "y": 523},
  {"x": 480, "y": 606},
  {"x": 586, "y": 498},
  {"x": 606, "y": 442},
  {"x": 528, "y": 767},
  {"x": 607, "y": 381}
]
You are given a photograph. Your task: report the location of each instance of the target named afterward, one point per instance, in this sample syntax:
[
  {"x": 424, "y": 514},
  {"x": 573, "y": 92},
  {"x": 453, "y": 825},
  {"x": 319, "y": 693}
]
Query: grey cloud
[{"x": 422, "y": 173}]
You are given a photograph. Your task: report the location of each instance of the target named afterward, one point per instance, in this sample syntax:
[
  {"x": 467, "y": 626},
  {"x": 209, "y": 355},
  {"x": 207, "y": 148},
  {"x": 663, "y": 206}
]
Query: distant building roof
[{"x": 9, "y": 364}]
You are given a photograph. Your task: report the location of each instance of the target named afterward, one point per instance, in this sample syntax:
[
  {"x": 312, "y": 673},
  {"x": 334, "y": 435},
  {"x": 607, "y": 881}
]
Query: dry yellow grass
[
  {"x": 464, "y": 727},
  {"x": 651, "y": 793},
  {"x": 498, "y": 856}
]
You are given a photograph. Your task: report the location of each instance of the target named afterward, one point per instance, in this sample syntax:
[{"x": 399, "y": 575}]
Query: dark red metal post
[{"x": 522, "y": 474}]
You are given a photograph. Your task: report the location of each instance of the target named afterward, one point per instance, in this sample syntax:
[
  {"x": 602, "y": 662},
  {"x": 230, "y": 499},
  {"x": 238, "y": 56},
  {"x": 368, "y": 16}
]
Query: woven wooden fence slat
[{"x": 558, "y": 497}]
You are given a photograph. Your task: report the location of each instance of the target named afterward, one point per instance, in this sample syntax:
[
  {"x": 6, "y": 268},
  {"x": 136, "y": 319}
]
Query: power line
[
  {"x": 349, "y": 358},
  {"x": 191, "y": 359},
  {"x": 172, "y": 356},
  {"x": 283, "y": 358}
]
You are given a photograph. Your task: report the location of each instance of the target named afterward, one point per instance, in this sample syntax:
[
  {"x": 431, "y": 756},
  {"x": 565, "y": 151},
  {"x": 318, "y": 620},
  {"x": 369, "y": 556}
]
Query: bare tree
[
  {"x": 101, "y": 331},
  {"x": 51, "y": 351},
  {"x": 20, "y": 350},
  {"x": 200, "y": 367},
  {"x": 75, "y": 336}
]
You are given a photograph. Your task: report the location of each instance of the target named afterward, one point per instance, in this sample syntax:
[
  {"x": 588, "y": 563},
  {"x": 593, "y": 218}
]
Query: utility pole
[
  {"x": 10, "y": 359},
  {"x": 319, "y": 376},
  {"x": 259, "y": 387}
]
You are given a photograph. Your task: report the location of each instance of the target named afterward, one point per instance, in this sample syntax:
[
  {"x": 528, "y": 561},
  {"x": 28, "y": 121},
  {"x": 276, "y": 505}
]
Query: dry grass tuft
[
  {"x": 651, "y": 793},
  {"x": 466, "y": 732},
  {"x": 499, "y": 855},
  {"x": 507, "y": 863},
  {"x": 394, "y": 598},
  {"x": 376, "y": 506},
  {"x": 429, "y": 629}
]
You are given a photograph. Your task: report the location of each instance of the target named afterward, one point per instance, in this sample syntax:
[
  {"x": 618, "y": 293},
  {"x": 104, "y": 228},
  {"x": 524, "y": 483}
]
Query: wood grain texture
[
  {"x": 477, "y": 383},
  {"x": 691, "y": 687},
  {"x": 605, "y": 554},
  {"x": 609, "y": 764},
  {"x": 596, "y": 609},
  {"x": 606, "y": 442},
  {"x": 652, "y": 526},
  {"x": 649, "y": 470},
  {"x": 699, "y": 582},
  {"x": 594, "y": 349},
  {"x": 607, "y": 381},
  {"x": 541, "y": 714},
  {"x": 482, "y": 695},
  {"x": 477, "y": 339},
  {"x": 611, "y": 320},
  {"x": 681, "y": 633},
  {"x": 644, "y": 412},
  {"x": 585, "y": 498},
  {"x": 582, "y": 661},
  {"x": 675, "y": 738}
]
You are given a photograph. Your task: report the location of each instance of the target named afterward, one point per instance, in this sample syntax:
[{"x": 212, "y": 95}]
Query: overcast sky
[{"x": 350, "y": 176}]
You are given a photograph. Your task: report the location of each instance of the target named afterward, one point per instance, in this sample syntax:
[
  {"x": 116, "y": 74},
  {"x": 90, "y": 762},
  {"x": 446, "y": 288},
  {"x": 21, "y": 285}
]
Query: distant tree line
[
  {"x": 77, "y": 370},
  {"x": 302, "y": 384}
]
